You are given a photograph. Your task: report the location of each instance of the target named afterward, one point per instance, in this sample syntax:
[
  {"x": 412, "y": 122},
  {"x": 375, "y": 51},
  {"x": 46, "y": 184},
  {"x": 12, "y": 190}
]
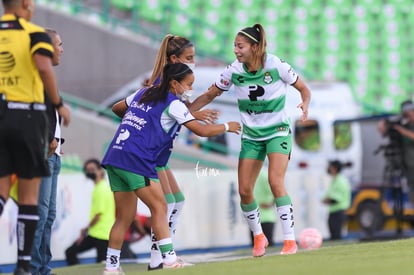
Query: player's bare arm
[
  {"x": 306, "y": 96},
  {"x": 205, "y": 98}
]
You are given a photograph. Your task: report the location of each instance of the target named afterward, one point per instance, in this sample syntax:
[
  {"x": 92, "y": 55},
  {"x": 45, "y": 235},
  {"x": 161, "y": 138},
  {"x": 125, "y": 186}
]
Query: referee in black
[{"x": 25, "y": 73}]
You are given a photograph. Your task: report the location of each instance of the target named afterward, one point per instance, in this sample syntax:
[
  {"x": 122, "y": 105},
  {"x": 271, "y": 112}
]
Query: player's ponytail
[
  {"x": 170, "y": 45},
  {"x": 160, "y": 60},
  {"x": 261, "y": 53}
]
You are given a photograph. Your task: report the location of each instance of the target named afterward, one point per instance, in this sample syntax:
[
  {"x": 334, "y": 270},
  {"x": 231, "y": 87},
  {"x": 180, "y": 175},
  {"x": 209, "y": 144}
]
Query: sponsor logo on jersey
[
  {"x": 123, "y": 135},
  {"x": 7, "y": 61},
  {"x": 134, "y": 121},
  {"x": 141, "y": 106},
  {"x": 224, "y": 82}
]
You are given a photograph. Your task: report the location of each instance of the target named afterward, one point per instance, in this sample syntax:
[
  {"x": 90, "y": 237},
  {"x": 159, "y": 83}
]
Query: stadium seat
[
  {"x": 124, "y": 5},
  {"x": 151, "y": 10},
  {"x": 368, "y": 43},
  {"x": 182, "y": 24},
  {"x": 209, "y": 40},
  {"x": 216, "y": 13},
  {"x": 192, "y": 8}
]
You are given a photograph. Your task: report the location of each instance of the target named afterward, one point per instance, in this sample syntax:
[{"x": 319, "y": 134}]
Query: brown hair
[
  {"x": 256, "y": 35},
  {"x": 170, "y": 45}
]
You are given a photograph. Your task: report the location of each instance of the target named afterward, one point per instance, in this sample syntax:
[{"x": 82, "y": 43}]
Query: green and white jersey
[{"x": 261, "y": 96}]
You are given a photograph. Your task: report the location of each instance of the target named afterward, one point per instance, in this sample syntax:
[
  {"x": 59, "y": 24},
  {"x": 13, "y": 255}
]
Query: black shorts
[{"x": 23, "y": 143}]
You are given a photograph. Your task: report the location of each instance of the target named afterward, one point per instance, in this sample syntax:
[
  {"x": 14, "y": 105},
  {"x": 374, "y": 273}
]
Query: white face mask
[
  {"x": 191, "y": 65},
  {"x": 185, "y": 95}
]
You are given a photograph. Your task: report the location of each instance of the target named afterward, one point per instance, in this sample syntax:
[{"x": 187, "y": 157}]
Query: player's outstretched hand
[
  {"x": 207, "y": 115},
  {"x": 234, "y": 127},
  {"x": 304, "y": 108}
]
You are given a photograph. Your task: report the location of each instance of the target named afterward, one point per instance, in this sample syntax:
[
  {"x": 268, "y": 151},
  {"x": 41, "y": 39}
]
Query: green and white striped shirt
[{"x": 261, "y": 96}]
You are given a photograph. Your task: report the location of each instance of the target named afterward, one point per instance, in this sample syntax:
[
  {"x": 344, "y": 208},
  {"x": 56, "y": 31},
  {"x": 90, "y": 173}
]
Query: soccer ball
[{"x": 310, "y": 239}]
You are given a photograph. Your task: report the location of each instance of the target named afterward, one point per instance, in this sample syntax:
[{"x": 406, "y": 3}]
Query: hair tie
[
  {"x": 178, "y": 51},
  {"x": 251, "y": 33}
]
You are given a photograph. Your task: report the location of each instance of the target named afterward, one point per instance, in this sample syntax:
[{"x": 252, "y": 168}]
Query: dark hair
[
  {"x": 51, "y": 32},
  {"x": 170, "y": 45},
  {"x": 256, "y": 35},
  {"x": 338, "y": 165},
  {"x": 406, "y": 105},
  {"x": 155, "y": 94},
  {"x": 9, "y": 3},
  {"x": 94, "y": 161}
]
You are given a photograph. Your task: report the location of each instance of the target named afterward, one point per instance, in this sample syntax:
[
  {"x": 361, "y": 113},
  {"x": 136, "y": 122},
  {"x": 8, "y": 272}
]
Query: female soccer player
[
  {"x": 261, "y": 82},
  {"x": 173, "y": 49},
  {"x": 148, "y": 127}
]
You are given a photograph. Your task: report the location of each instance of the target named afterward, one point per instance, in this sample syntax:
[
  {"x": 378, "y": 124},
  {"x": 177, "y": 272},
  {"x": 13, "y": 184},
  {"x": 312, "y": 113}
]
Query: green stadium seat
[
  {"x": 215, "y": 13},
  {"x": 277, "y": 5},
  {"x": 368, "y": 43},
  {"x": 208, "y": 40},
  {"x": 124, "y": 5},
  {"x": 151, "y": 10},
  {"x": 213, "y": 19},
  {"x": 190, "y": 7},
  {"x": 182, "y": 24},
  {"x": 242, "y": 19},
  {"x": 392, "y": 102}
]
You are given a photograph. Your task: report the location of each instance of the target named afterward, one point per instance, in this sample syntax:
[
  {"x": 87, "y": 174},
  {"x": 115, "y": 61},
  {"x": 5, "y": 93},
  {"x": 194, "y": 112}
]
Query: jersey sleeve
[
  {"x": 40, "y": 41},
  {"x": 224, "y": 81},
  {"x": 128, "y": 99},
  {"x": 287, "y": 73},
  {"x": 180, "y": 112}
]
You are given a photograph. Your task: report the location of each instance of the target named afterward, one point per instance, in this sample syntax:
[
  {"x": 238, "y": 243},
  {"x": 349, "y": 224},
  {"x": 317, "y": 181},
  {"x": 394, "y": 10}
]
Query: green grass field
[{"x": 382, "y": 257}]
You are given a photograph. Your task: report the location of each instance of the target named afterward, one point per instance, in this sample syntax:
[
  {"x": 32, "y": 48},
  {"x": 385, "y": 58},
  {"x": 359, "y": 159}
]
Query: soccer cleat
[
  {"x": 260, "y": 244},
  {"x": 179, "y": 263},
  {"x": 289, "y": 247},
  {"x": 113, "y": 272},
  {"x": 160, "y": 266},
  {"x": 184, "y": 263}
]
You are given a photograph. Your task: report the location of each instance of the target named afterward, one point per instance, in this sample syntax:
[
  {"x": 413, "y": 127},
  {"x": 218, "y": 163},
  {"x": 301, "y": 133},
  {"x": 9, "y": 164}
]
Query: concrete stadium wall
[{"x": 96, "y": 61}]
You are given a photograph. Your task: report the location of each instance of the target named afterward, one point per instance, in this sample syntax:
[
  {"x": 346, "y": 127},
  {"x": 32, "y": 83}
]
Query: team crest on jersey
[{"x": 267, "y": 78}]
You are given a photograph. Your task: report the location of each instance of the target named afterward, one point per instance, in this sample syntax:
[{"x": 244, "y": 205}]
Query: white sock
[
  {"x": 167, "y": 251},
  {"x": 253, "y": 220},
  {"x": 112, "y": 259},
  {"x": 174, "y": 217},
  {"x": 285, "y": 213},
  {"x": 155, "y": 253},
  {"x": 169, "y": 198},
  {"x": 170, "y": 209}
]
